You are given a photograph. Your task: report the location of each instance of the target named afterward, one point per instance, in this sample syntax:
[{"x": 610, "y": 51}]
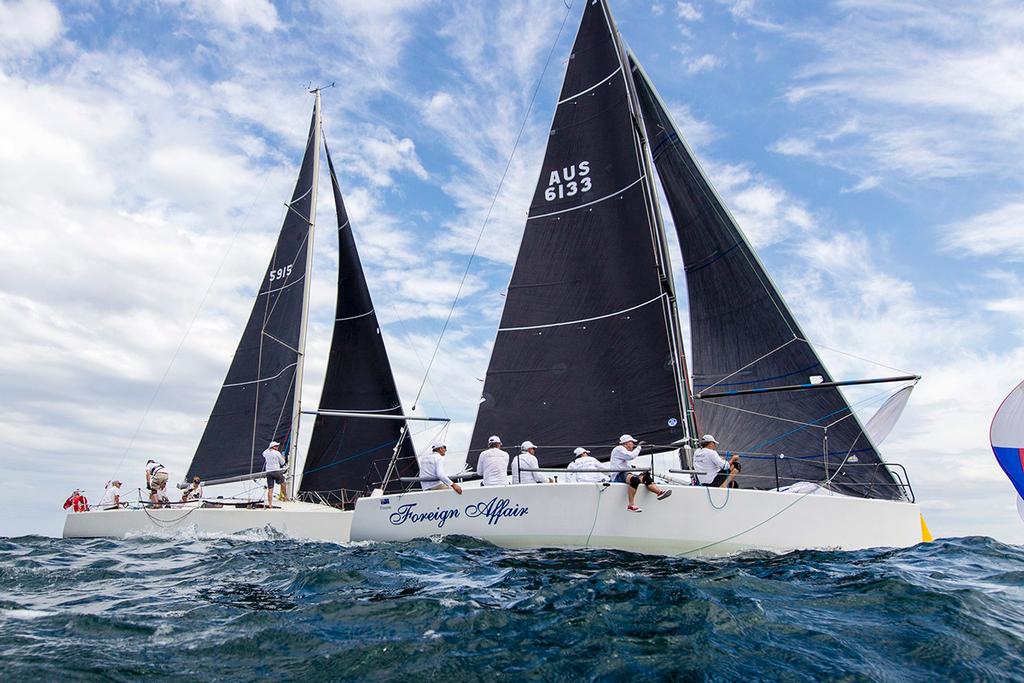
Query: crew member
[
  {"x": 493, "y": 464},
  {"x": 274, "y": 462},
  {"x": 586, "y": 468},
  {"x": 622, "y": 458},
  {"x": 156, "y": 482},
  {"x": 194, "y": 490},
  {"x": 432, "y": 475},
  {"x": 77, "y": 501},
  {"x": 715, "y": 471},
  {"x": 111, "y": 495},
  {"x": 527, "y": 459}
]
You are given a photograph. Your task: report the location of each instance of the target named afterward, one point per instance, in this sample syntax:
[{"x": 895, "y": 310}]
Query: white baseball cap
[
  {"x": 580, "y": 451},
  {"x": 527, "y": 445},
  {"x": 275, "y": 443},
  {"x": 625, "y": 438},
  {"x": 438, "y": 444},
  {"x": 708, "y": 438},
  {"x": 494, "y": 439}
]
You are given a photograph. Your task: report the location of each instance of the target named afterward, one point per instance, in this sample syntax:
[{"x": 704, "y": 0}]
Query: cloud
[
  {"x": 706, "y": 62},
  {"x": 999, "y": 232},
  {"x": 236, "y": 14},
  {"x": 27, "y": 26},
  {"x": 687, "y": 12}
]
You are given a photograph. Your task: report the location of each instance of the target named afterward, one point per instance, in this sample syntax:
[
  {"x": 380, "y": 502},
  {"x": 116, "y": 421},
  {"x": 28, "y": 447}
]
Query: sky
[{"x": 870, "y": 149}]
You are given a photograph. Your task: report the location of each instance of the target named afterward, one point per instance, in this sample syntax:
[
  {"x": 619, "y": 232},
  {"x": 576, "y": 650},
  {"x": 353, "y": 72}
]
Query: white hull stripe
[
  {"x": 581, "y": 206},
  {"x": 584, "y": 92},
  {"x": 582, "y": 320},
  {"x": 353, "y": 317},
  {"x": 264, "y": 379}
]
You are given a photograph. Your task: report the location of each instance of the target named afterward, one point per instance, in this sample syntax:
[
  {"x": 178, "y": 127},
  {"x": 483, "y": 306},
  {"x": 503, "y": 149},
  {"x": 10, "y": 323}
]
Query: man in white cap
[
  {"x": 586, "y": 468},
  {"x": 715, "y": 471},
  {"x": 622, "y": 458},
  {"x": 111, "y": 495},
  {"x": 527, "y": 459},
  {"x": 432, "y": 475},
  {"x": 273, "y": 463},
  {"x": 493, "y": 464}
]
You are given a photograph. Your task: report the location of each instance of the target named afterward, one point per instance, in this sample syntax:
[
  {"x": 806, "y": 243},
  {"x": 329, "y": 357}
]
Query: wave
[{"x": 258, "y": 606}]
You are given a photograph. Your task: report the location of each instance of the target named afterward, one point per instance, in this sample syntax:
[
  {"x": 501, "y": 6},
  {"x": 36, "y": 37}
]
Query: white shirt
[
  {"x": 155, "y": 467},
  {"x": 432, "y": 471},
  {"x": 109, "y": 494},
  {"x": 194, "y": 494},
  {"x": 273, "y": 460},
  {"x": 587, "y": 469},
  {"x": 493, "y": 467},
  {"x": 621, "y": 458},
  {"x": 527, "y": 461},
  {"x": 709, "y": 462}
]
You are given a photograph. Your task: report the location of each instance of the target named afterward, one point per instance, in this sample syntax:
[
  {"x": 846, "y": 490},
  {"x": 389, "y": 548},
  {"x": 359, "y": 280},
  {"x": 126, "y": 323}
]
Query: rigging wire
[{"x": 494, "y": 199}]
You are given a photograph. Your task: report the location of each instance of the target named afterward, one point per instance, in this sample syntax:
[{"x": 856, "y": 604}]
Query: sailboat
[
  {"x": 358, "y": 430},
  {"x": 1007, "y": 438},
  {"x": 590, "y": 345}
]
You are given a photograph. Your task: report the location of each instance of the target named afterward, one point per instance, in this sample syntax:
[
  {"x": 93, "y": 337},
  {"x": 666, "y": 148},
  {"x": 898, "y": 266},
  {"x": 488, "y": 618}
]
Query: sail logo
[
  {"x": 281, "y": 273},
  {"x": 568, "y": 181},
  {"x": 493, "y": 510}
]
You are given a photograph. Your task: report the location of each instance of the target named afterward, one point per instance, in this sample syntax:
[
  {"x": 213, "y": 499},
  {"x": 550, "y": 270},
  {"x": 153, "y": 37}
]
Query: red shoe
[{"x": 633, "y": 508}]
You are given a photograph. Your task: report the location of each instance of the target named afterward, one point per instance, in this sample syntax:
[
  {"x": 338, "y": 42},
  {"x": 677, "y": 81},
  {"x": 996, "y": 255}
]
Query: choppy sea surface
[{"x": 262, "y": 607}]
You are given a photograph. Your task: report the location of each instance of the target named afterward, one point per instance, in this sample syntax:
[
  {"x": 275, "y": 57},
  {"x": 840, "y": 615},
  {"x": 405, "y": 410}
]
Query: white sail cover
[
  {"x": 1007, "y": 436},
  {"x": 882, "y": 422}
]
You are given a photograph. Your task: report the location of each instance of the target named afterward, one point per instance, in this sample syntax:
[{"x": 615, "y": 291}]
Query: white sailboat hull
[
  {"x": 293, "y": 519},
  {"x": 694, "y": 521}
]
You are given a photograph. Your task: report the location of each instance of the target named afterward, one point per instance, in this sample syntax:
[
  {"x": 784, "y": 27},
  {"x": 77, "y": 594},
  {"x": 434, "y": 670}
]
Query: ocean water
[{"x": 261, "y": 607}]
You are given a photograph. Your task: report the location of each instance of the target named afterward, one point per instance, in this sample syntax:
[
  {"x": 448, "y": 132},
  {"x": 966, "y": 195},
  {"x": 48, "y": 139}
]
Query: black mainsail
[
  {"x": 257, "y": 402},
  {"x": 348, "y": 454},
  {"x": 588, "y": 345},
  {"x": 744, "y": 336}
]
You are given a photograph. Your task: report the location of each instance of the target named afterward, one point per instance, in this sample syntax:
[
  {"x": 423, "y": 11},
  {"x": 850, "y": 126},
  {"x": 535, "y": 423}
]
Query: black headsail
[
  {"x": 256, "y": 404},
  {"x": 586, "y": 348},
  {"x": 744, "y": 336},
  {"x": 349, "y": 454}
]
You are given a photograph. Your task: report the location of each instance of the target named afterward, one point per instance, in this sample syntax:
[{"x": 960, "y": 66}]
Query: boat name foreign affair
[{"x": 492, "y": 510}]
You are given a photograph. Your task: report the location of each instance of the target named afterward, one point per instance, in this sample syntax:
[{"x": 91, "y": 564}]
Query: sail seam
[
  {"x": 600, "y": 199},
  {"x": 263, "y": 379},
  {"x": 281, "y": 342},
  {"x": 271, "y": 291},
  {"x": 582, "y": 320},
  {"x": 584, "y": 92},
  {"x": 344, "y": 225},
  {"x": 353, "y": 317}
]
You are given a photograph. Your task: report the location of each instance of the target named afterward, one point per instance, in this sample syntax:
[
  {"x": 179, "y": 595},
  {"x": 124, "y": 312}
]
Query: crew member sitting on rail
[
  {"x": 715, "y": 471},
  {"x": 586, "y": 468},
  {"x": 273, "y": 463},
  {"x": 432, "y": 475},
  {"x": 111, "y": 496},
  {"x": 527, "y": 459},
  {"x": 77, "y": 501},
  {"x": 156, "y": 482},
  {"x": 622, "y": 458},
  {"x": 493, "y": 464},
  {"x": 194, "y": 490}
]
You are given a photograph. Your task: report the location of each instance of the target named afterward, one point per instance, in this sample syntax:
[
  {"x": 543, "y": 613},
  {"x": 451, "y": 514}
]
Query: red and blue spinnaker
[{"x": 1007, "y": 436}]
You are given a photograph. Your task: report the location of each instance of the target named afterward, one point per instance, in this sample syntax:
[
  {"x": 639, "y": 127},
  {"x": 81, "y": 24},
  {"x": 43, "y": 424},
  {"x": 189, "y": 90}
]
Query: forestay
[
  {"x": 585, "y": 348},
  {"x": 257, "y": 400},
  {"x": 350, "y": 454},
  {"x": 744, "y": 336}
]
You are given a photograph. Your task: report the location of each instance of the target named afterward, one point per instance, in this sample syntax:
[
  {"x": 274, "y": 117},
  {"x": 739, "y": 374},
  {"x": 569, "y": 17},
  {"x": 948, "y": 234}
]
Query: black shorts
[
  {"x": 634, "y": 479},
  {"x": 273, "y": 477},
  {"x": 720, "y": 479}
]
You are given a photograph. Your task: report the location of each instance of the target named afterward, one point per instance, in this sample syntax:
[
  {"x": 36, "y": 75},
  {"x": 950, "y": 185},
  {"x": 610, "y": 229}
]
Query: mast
[
  {"x": 293, "y": 450},
  {"x": 664, "y": 261}
]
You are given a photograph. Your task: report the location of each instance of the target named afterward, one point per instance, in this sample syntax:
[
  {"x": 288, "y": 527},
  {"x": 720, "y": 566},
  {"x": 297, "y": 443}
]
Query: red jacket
[{"x": 79, "y": 502}]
